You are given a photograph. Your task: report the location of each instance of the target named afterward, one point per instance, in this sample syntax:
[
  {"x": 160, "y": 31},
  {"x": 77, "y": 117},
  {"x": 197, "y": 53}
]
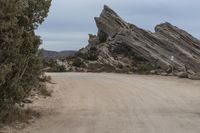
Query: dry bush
[{"x": 16, "y": 114}]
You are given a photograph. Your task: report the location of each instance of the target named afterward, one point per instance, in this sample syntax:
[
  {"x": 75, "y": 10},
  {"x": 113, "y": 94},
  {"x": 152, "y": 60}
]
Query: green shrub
[
  {"x": 57, "y": 68},
  {"x": 91, "y": 55},
  {"x": 20, "y": 64},
  {"x": 77, "y": 62},
  {"x": 144, "y": 68},
  {"x": 53, "y": 66}
]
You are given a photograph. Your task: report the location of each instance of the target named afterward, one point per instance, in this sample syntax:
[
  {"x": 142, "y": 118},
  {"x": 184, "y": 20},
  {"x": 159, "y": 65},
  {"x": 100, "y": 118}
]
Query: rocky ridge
[{"x": 123, "y": 47}]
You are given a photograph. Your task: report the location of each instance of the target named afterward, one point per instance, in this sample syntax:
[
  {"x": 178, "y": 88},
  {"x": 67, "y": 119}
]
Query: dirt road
[{"x": 118, "y": 103}]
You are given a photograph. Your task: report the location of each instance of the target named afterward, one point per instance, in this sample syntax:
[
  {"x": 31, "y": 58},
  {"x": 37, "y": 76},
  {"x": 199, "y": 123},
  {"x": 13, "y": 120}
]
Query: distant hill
[{"x": 57, "y": 55}]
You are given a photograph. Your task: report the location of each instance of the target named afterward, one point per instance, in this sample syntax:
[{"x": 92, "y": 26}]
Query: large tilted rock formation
[{"x": 168, "y": 47}]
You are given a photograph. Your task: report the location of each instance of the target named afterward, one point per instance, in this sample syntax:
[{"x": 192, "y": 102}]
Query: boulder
[
  {"x": 182, "y": 75},
  {"x": 27, "y": 100},
  {"x": 194, "y": 76},
  {"x": 153, "y": 72},
  {"x": 164, "y": 74}
]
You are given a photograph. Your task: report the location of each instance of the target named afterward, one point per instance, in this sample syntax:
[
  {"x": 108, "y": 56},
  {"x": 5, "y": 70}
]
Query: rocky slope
[{"x": 123, "y": 47}]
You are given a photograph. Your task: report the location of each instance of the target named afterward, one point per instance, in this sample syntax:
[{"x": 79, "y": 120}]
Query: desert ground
[{"x": 120, "y": 103}]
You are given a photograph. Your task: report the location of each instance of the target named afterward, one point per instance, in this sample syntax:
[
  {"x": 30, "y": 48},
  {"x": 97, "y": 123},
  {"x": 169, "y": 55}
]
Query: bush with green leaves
[
  {"x": 77, "y": 62},
  {"x": 91, "y": 55},
  {"x": 20, "y": 64},
  {"x": 144, "y": 68},
  {"x": 53, "y": 66}
]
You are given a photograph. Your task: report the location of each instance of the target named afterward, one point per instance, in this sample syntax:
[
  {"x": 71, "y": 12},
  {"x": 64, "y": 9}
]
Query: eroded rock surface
[{"x": 120, "y": 46}]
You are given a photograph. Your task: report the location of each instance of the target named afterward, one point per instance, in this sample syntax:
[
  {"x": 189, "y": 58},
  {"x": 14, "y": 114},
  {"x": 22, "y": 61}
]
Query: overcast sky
[{"x": 70, "y": 21}]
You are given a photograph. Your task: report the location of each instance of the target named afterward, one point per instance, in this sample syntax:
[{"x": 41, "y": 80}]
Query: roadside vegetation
[
  {"x": 20, "y": 63},
  {"x": 52, "y": 65},
  {"x": 144, "y": 68}
]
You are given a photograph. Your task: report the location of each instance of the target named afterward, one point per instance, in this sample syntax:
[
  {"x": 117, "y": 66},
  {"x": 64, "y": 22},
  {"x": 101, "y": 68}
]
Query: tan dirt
[{"x": 119, "y": 103}]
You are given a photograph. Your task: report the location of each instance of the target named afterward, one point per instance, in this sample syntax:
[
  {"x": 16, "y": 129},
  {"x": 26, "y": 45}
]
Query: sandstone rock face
[
  {"x": 158, "y": 48},
  {"x": 123, "y": 46}
]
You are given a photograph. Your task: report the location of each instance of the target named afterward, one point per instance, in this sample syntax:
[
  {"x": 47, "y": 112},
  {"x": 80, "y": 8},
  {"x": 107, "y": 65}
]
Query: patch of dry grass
[{"x": 16, "y": 114}]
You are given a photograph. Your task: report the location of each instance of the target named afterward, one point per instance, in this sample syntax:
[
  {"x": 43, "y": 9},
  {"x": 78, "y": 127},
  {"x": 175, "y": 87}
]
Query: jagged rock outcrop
[{"x": 123, "y": 46}]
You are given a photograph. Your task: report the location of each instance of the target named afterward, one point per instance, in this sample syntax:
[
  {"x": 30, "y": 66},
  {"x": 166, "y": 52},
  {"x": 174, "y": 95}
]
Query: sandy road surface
[{"x": 117, "y": 103}]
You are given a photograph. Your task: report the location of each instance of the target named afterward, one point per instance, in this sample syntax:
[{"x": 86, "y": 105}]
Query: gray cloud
[{"x": 69, "y": 22}]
